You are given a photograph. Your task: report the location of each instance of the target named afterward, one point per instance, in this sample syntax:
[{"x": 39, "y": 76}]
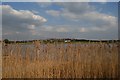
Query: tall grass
[
  {"x": 60, "y": 60},
  {"x": 0, "y": 60}
]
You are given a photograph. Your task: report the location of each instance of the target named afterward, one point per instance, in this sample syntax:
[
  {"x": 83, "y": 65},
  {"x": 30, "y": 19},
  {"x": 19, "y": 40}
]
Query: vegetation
[
  {"x": 6, "y": 41},
  {"x": 60, "y": 41},
  {"x": 64, "y": 60}
]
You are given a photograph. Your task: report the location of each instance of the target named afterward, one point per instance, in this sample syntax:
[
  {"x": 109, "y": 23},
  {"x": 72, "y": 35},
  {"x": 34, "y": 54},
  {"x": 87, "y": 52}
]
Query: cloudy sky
[{"x": 38, "y": 20}]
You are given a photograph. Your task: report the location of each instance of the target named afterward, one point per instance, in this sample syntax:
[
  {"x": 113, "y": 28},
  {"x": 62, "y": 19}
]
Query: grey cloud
[
  {"x": 16, "y": 22},
  {"x": 77, "y": 7},
  {"x": 44, "y": 4},
  {"x": 26, "y": 25},
  {"x": 85, "y": 13},
  {"x": 53, "y": 13}
]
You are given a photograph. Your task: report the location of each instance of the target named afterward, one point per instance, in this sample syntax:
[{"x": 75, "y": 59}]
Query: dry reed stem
[{"x": 71, "y": 60}]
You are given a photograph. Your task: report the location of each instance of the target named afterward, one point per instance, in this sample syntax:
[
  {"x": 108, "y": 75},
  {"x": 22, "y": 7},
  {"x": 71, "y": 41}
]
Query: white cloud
[
  {"x": 83, "y": 29},
  {"x": 21, "y": 15},
  {"x": 85, "y": 21},
  {"x": 53, "y": 13},
  {"x": 77, "y": 8},
  {"x": 61, "y": 29},
  {"x": 44, "y": 4},
  {"x": 22, "y": 21},
  {"x": 85, "y": 13},
  {"x": 17, "y": 32},
  {"x": 100, "y": 0},
  {"x": 68, "y": 28},
  {"x": 34, "y": 11},
  {"x": 94, "y": 24},
  {"x": 55, "y": 28},
  {"x": 47, "y": 28},
  {"x": 31, "y": 27}
]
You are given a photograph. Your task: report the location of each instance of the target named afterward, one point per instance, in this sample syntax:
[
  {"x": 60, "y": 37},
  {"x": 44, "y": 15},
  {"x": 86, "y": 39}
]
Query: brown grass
[
  {"x": 0, "y": 60},
  {"x": 60, "y": 60}
]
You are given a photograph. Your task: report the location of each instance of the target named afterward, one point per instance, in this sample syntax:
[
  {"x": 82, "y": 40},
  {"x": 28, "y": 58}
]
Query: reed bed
[
  {"x": 0, "y": 60},
  {"x": 60, "y": 60}
]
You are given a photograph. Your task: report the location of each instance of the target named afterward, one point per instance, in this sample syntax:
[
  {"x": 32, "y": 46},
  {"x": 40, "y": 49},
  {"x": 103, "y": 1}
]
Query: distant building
[{"x": 67, "y": 41}]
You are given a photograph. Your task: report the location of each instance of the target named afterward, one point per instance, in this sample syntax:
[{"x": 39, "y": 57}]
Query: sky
[
  {"x": 60, "y": 0},
  {"x": 43, "y": 20}
]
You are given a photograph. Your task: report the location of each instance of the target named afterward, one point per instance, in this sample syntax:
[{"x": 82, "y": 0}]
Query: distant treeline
[{"x": 59, "y": 40}]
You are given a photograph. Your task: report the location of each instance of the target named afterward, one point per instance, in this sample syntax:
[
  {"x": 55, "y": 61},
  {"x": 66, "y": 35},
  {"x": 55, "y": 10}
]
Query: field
[{"x": 60, "y": 60}]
